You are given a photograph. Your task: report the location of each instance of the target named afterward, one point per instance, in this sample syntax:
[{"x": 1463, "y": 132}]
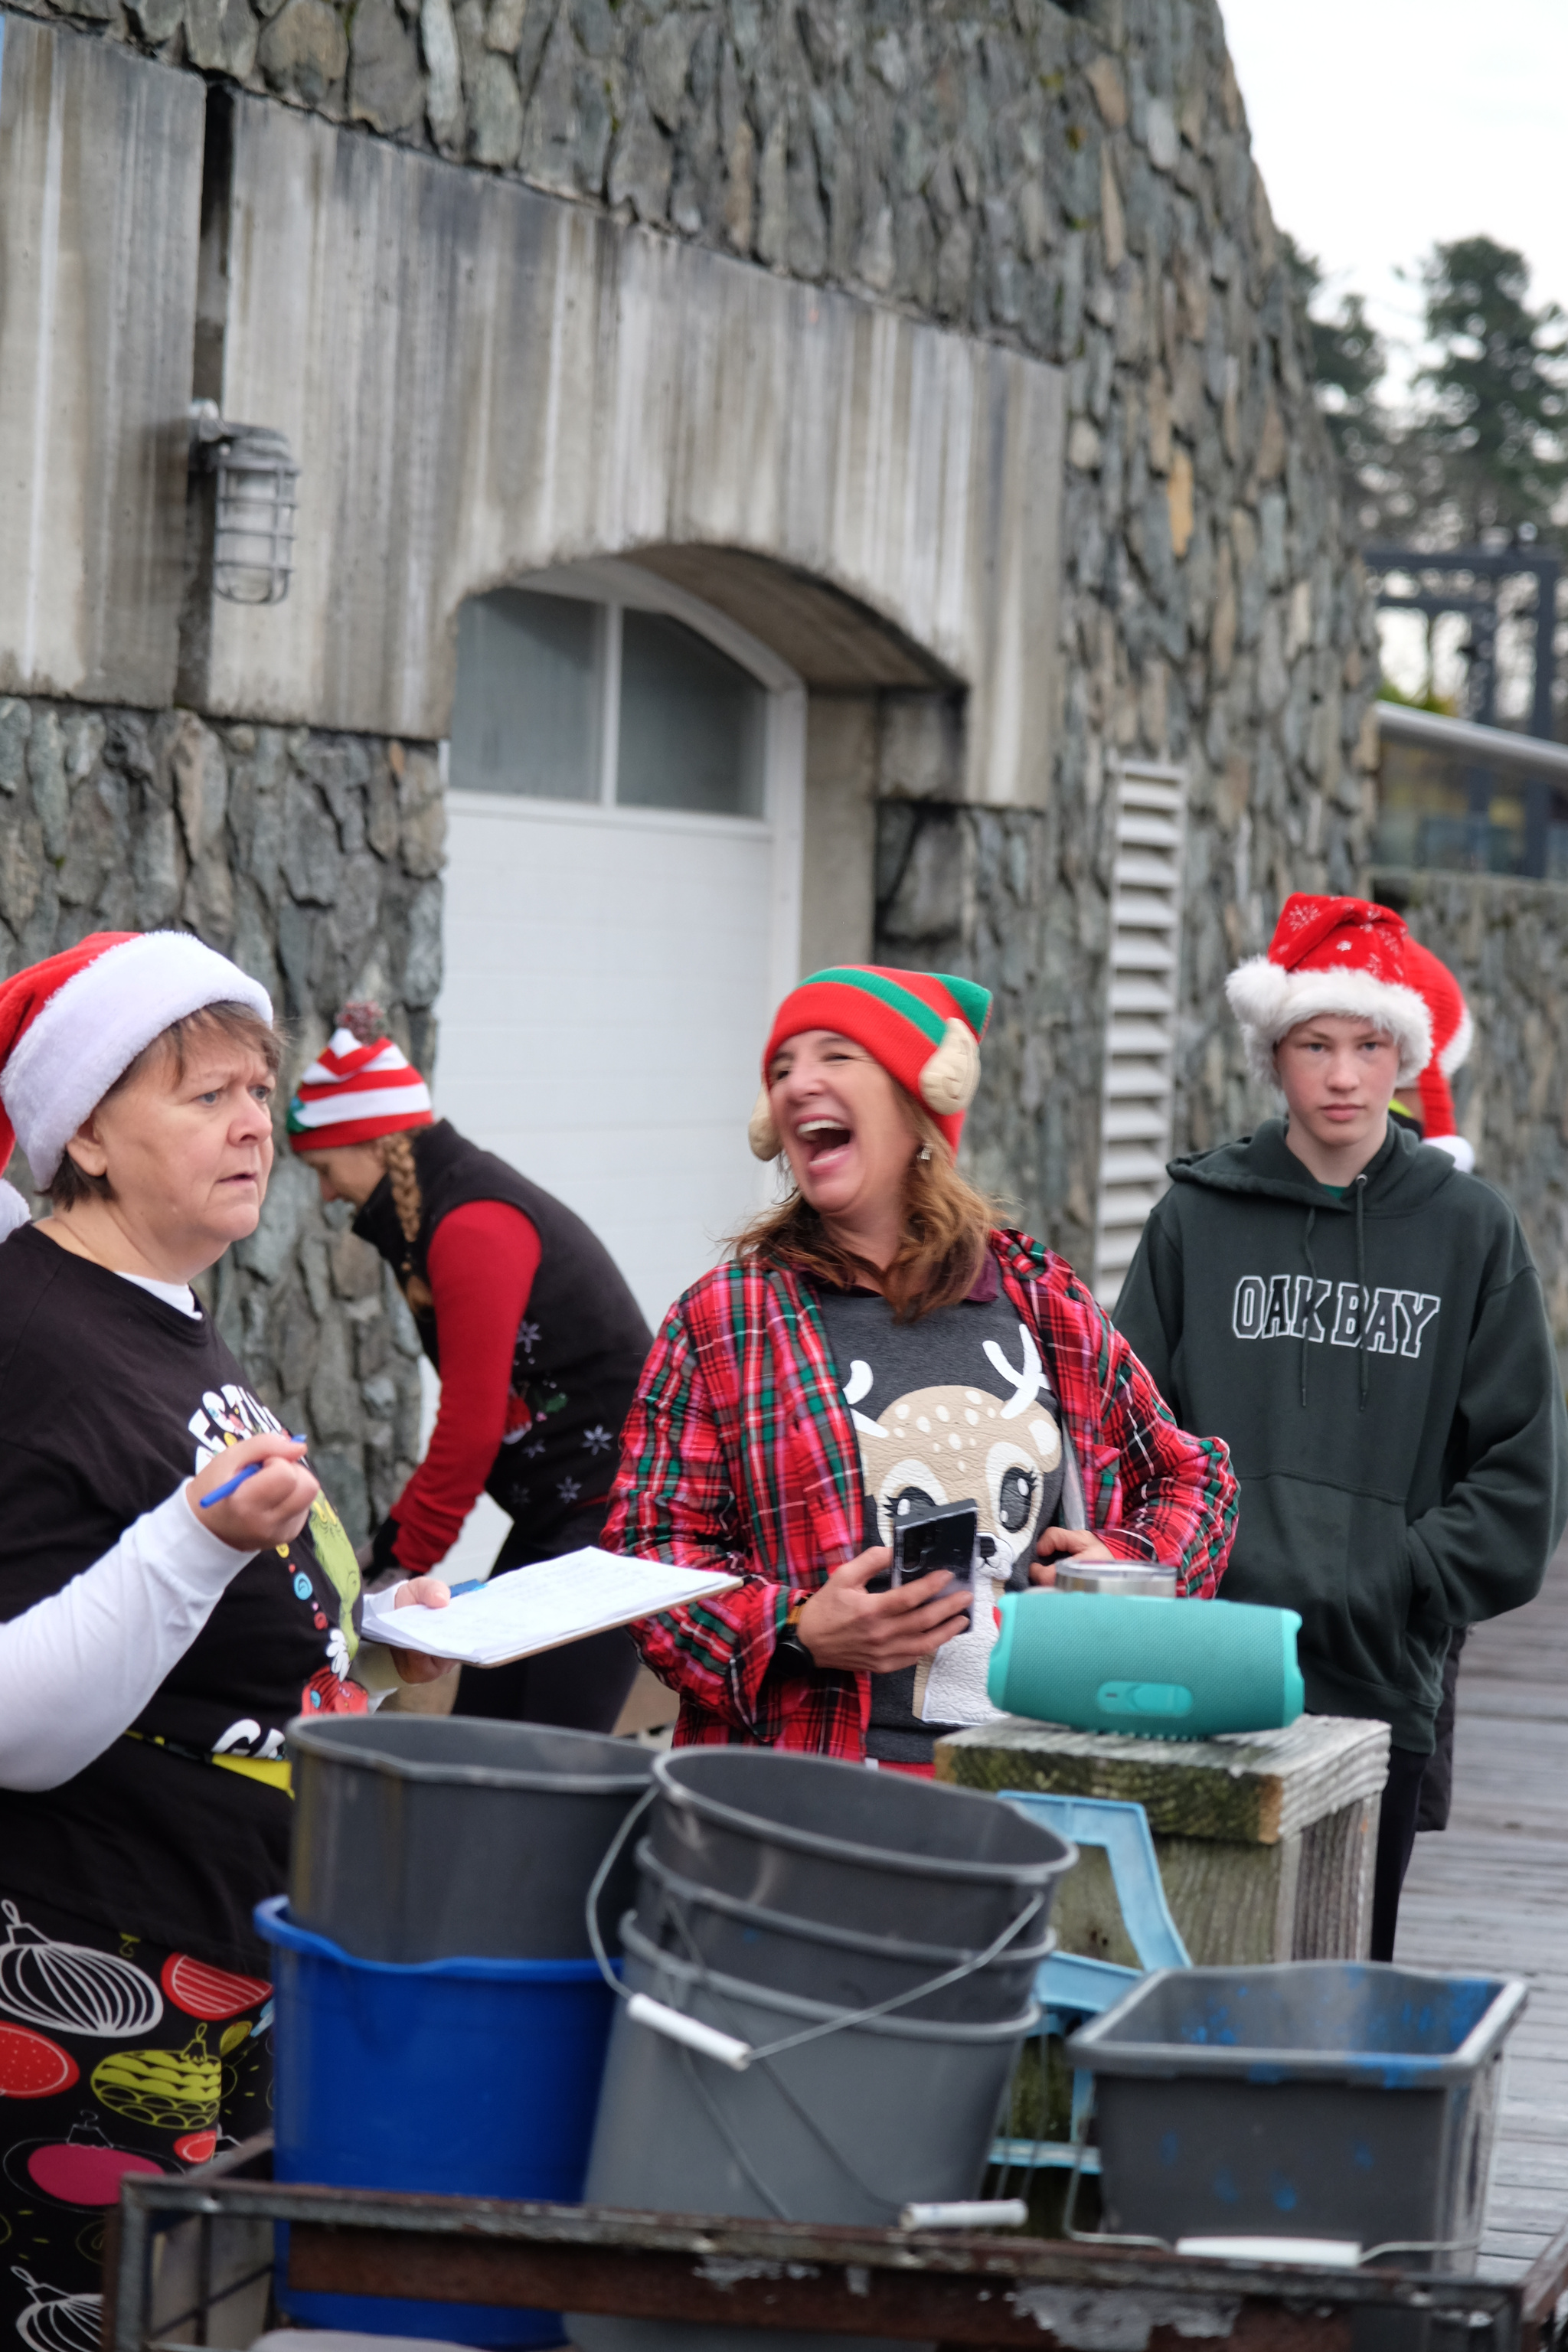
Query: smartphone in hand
[{"x": 935, "y": 1540}]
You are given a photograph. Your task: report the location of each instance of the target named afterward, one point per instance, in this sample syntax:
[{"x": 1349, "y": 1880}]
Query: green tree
[
  {"x": 1348, "y": 361},
  {"x": 1491, "y": 451},
  {"x": 1345, "y": 352}
]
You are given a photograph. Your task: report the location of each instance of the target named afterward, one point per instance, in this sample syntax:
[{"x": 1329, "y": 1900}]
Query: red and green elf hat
[{"x": 924, "y": 1027}]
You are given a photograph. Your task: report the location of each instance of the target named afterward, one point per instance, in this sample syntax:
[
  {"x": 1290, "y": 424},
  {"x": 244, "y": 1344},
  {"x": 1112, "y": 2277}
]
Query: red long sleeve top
[{"x": 481, "y": 1263}]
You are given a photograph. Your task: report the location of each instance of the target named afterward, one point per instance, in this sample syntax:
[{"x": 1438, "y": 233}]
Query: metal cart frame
[{"x": 958, "y": 2287}]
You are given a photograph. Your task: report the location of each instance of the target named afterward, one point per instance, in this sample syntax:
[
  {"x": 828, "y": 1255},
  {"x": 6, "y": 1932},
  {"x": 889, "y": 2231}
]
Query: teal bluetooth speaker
[{"x": 1167, "y": 1669}]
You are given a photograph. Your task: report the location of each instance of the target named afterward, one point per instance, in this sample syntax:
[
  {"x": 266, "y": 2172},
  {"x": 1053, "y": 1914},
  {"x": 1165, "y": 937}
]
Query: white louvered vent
[{"x": 1141, "y": 1027}]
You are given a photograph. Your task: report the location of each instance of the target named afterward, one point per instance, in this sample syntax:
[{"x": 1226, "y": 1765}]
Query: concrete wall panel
[
  {"x": 100, "y": 160},
  {"x": 480, "y": 381}
]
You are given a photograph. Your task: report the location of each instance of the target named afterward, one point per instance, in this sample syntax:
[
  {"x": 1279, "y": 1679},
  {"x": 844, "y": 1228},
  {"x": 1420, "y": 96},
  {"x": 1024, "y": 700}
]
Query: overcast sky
[{"x": 1382, "y": 127}]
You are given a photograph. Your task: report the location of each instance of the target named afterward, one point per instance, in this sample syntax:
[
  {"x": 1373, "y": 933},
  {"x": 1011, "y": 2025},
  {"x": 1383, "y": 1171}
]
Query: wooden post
[{"x": 1265, "y": 1839}]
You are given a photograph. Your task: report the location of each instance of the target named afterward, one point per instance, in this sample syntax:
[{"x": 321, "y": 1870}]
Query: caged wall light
[{"x": 254, "y": 476}]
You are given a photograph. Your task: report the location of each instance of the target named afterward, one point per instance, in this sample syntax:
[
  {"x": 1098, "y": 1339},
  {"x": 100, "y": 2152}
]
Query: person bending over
[{"x": 524, "y": 1314}]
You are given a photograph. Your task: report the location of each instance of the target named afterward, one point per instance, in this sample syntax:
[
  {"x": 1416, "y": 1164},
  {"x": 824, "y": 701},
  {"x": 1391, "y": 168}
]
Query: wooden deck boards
[{"x": 1491, "y": 1893}]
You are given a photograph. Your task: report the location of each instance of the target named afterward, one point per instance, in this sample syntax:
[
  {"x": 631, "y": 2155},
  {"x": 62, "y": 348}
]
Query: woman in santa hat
[
  {"x": 174, "y": 1589},
  {"x": 530, "y": 1324}
]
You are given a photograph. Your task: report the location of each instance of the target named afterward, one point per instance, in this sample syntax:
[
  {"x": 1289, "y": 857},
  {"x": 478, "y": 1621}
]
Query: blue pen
[{"x": 249, "y": 1471}]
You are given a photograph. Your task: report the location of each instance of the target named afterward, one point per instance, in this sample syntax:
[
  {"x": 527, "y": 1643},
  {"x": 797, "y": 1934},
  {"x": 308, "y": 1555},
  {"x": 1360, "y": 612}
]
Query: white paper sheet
[{"x": 540, "y": 1607}]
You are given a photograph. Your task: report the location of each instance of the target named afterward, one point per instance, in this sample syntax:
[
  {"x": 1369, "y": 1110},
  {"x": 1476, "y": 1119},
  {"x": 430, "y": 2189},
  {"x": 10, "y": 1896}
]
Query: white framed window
[{"x": 572, "y": 697}]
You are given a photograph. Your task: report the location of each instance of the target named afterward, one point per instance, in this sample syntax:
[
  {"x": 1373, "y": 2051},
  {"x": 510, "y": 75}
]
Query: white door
[{"x": 622, "y": 906}]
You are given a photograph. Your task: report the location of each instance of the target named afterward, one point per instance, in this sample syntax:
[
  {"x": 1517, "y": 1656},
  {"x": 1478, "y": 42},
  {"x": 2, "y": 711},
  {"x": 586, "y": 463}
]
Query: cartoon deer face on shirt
[
  {"x": 947, "y": 1444},
  {"x": 961, "y": 1443}
]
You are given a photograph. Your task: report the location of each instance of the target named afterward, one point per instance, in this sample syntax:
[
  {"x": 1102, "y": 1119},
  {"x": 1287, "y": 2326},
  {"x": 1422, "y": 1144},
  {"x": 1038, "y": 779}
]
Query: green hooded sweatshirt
[{"x": 1380, "y": 1366}]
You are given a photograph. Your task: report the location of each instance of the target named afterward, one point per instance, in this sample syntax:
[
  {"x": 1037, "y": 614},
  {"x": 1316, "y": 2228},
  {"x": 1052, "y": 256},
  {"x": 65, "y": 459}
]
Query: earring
[{"x": 924, "y": 1151}]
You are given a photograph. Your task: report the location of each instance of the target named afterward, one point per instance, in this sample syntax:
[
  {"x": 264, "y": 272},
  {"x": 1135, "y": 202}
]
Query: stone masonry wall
[
  {"x": 1507, "y": 942},
  {"x": 311, "y": 859},
  {"x": 1075, "y": 181}
]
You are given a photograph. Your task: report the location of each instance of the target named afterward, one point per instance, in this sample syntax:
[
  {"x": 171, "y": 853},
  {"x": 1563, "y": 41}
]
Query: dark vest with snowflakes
[{"x": 581, "y": 1345}]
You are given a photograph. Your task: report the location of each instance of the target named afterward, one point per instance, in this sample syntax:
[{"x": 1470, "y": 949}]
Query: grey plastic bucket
[
  {"x": 881, "y": 1853},
  {"x": 900, "y": 2110},
  {"x": 432, "y": 1838},
  {"x": 836, "y": 1966},
  {"x": 1320, "y": 2099}
]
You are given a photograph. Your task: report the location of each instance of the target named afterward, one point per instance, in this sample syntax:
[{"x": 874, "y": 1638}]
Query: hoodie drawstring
[
  {"x": 1312, "y": 1294},
  {"x": 1360, "y": 1189}
]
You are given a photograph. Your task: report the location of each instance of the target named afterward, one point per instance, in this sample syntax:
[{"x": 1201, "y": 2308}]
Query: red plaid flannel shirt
[{"x": 739, "y": 1452}]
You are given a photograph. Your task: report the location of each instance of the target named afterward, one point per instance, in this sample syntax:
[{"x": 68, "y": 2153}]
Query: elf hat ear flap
[
  {"x": 949, "y": 1079},
  {"x": 760, "y": 1133}
]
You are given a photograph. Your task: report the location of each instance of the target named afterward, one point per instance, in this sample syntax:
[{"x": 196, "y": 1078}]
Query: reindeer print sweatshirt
[
  {"x": 1378, "y": 1361},
  {"x": 954, "y": 1408}
]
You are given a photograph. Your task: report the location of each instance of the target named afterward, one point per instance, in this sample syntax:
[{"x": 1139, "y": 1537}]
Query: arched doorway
[{"x": 624, "y": 788}]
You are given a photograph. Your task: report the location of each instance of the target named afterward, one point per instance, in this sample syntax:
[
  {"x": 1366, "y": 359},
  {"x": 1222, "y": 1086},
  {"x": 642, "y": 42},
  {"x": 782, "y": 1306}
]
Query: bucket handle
[
  {"x": 849, "y": 2017},
  {"x": 728, "y": 2049},
  {"x": 600, "y": 1880},
  {"x": 689, "y": 2032}
]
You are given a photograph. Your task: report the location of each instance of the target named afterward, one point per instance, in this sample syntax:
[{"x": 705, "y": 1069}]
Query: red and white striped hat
[
  {"x": 72, "y": 1024},
  {"x": 360, "y": 1088}
]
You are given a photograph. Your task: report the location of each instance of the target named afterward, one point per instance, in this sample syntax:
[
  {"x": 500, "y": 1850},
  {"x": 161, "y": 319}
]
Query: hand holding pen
[{"x": 256, "y": 1494}]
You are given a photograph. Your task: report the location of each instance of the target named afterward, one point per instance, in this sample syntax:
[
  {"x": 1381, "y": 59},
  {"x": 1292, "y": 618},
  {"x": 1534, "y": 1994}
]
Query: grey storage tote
[
  {"x": 1320, "y": 2099},
  {"x": 423, "y": 1837}
]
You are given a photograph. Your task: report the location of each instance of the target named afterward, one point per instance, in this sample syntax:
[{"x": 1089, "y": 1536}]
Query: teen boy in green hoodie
[{"x": 1363, "y": 1324}]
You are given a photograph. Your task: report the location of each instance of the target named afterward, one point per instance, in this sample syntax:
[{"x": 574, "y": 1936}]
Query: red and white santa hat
[
  {"x": 72, "y": 1024},
  {"x": 1332, "y": 955},
  {"x": 1453, "y": 1034},
  {"x": 362, "y": 1086}
]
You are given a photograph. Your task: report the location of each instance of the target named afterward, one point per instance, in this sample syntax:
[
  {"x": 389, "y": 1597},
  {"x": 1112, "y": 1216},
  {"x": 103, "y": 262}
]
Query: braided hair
[{"x": 365, "y": 1020}]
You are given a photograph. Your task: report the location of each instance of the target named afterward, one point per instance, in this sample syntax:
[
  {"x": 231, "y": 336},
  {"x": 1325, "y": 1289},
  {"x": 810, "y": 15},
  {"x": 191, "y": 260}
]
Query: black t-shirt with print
[
  {"x": 956, "y": 1407},
  {"x": 108, "y": 1397}
]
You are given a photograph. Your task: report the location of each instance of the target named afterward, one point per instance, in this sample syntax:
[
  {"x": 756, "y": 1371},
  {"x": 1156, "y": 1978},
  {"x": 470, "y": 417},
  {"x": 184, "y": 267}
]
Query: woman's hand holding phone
[{"x": 854, "y": 1630}]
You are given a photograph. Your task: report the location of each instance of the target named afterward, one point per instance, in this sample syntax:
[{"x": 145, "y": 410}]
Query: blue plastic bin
[{"x": 458, "y": 2077}]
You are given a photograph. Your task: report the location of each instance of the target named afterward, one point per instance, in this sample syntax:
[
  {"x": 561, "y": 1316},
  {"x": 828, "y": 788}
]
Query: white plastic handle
[
  {"x": 979, "y": 2213},
  {"x": 692, "y": 2030}
]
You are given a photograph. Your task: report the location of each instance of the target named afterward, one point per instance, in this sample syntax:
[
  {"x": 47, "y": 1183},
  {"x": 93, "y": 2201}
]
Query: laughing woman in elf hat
[
  {"x": 537, "y": 1341},
  {"x": 1361, "y": 1320},
  {"x": 877, "y": 1345},
  {"x": 174, "y": 1589}
]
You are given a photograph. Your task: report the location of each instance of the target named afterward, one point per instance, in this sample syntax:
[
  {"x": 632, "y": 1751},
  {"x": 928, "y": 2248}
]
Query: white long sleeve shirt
[{"x": 78, "y": 1668}]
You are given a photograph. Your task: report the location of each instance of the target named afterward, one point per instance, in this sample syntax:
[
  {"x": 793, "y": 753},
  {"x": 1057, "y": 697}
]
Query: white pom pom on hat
[{"x": 1344, "y": 956}]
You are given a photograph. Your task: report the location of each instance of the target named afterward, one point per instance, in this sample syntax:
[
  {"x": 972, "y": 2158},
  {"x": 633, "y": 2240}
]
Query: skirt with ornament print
[{"x": 116, "y": 2056}]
